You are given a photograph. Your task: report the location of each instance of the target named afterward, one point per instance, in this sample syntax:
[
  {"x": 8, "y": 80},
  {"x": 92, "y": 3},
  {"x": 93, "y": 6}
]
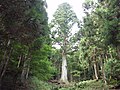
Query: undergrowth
[{"x": 83, "y": 85}]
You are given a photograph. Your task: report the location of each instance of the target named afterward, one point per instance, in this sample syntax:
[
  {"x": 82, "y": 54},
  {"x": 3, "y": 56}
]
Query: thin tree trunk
[
  {"x": 95, "y": 65},
  {"x": 103, "y": 72},
  {"x": 20, "y": 58},
  {"x": 64, "y": 77},
  {"x": 27, "y": 72},
  {"x": 58, "y": 77},
  {"x": 5, "y": 65},
  {"x": 3, "y": 61},
  {"x": 71, "y": 77},
  {"x": 118, "y": 52},
  {"x": 95, "y": 69},
  {"x": 84, "y": 74},
  {"x": 89, "y": 69},
  {"x": 104, "y": 75},
  {"x": 23, "y": 73},
  {"x": 23, "y": 70},
  {"x": 28, "y": 68},
  {"x": 4, "y": 57}
]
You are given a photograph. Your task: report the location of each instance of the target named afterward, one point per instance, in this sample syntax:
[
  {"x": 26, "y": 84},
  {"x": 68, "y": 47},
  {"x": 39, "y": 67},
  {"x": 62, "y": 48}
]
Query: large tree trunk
[{"x": 64, "y": 77}]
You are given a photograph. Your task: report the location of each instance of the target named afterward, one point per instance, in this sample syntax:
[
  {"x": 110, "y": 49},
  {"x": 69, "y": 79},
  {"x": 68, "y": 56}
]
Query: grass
[
  {"x": 87, "y": 85},
  {"x": 83, "y": 85},
  {"x": 91, "y": 85}
]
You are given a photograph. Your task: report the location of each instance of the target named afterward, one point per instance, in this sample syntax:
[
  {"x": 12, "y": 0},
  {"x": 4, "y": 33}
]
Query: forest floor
[{"x": 84, "y": 85}]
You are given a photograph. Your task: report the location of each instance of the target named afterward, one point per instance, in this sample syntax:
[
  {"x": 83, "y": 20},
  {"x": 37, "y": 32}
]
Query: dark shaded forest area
[{"x": 86, "y": 60}]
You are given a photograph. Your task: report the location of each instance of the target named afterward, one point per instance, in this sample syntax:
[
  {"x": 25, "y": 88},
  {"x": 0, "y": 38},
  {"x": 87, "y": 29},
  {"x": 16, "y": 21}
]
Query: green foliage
[
  {"x": 37, "y": 84},
  {"x": 87, "y": 85},
  {"x": 98, "y": 32},
  {"x": 61, "y": 25},
  {"x": 111, "y": 23},
  {"x": 90, "y": 85},
  {"x": 41, "y": 66},
  {"x": 24, "y": 42},
  {"x": 112, "y": 68}
]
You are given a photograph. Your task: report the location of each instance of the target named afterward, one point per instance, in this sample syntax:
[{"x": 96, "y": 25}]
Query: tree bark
[
  {"x": 103, "y": 72},
  {"x": 6, "y": 59},
  {"x": 3, "y": 70},
  {"x": 26, "y": 68},
  {"x": 118, "y": 52},
  {"x": 64, "y": 77},
  {"x": 23, "y": 74},
  {"x": 20, "y": 58},
  {"x": 3, "y": 61},
  {"x": 27, "y": 72},
  {"x": 104, "y": 75},
  {"x": 95, "y": 69},
  {"x": 84, "y": 74},
  {"x": 95, "y": 65},
  {"x": 6, "y": 52},
  {"x": 71, "y": 77}
]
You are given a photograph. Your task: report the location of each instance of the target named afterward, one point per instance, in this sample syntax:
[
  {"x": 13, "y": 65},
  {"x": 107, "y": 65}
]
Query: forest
[{"x": 88, "y": 59}]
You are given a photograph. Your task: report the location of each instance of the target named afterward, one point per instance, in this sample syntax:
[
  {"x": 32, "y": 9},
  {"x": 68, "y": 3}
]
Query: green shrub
[
  {"x": 112, "y": 69},
  {"x": 39, "y": 85}
]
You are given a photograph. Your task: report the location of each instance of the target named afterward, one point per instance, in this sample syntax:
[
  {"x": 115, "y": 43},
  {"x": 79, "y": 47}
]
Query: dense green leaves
[
  {"x": 41, "y": 66},
  {"x": 24, "y": 42},
  {"x": 100, "y": 32}
]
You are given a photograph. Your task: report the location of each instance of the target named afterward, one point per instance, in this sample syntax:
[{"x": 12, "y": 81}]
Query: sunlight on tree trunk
[
  {"x": 95, "y": 69},
  {"x": 64, "y": 70}
]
